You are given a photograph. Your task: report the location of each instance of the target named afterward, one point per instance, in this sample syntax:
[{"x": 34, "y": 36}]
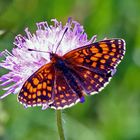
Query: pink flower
[{"x": 22, "y": 63}]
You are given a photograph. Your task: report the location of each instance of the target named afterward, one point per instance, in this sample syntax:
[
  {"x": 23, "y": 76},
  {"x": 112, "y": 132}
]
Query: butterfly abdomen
[{"x": 70, "y": 78}]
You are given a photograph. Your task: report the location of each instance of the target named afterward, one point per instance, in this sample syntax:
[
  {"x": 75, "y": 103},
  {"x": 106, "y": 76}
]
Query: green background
[{"x": 114, "y": 114}]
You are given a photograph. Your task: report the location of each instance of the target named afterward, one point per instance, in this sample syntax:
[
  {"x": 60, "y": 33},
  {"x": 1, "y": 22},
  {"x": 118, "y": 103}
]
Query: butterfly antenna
[
  {"x": 61, "y": 39},
  {"x": 37, "y": 51}
]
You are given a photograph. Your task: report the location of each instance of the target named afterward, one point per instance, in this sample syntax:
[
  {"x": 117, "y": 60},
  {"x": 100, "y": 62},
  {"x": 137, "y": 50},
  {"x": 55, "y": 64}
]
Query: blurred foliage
[{"x": 114, "y": 114}]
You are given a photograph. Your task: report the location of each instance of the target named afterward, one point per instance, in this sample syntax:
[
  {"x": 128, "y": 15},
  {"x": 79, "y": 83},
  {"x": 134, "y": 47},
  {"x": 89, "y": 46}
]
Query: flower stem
[{"x": 60, "y": 125}]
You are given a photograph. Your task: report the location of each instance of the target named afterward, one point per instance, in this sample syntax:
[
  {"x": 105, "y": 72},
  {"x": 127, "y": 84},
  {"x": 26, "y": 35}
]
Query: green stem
[{"x": 59, "y": 124}]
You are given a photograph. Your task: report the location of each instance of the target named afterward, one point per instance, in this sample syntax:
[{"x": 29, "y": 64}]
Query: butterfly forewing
[
  {"x": 38, "y": 88},
  {"x": 64, "y": 96},
  {"x": 100, "y": 57}
]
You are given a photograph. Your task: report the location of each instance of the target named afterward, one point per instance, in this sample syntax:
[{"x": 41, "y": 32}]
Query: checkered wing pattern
[
  {"x": 64, "y": 96},
  {"x": 101, "y": 56},
  {"x": 91, "y": 66},
  {"x": 38, "y": 88},
  {"x": 90, "y": 81},
  {"x": 95, "y": 64}
]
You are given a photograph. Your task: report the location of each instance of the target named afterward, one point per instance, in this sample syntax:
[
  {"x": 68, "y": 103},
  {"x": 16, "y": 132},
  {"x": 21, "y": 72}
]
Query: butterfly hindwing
[
  {"x": 38, "y": 88},
  {"x": 64, "y": 96},
  {"x": 90, "y": 81}
]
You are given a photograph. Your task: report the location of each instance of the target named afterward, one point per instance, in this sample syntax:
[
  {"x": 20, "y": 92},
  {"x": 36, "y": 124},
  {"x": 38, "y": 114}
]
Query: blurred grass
[{"x": 114, "y": 114}]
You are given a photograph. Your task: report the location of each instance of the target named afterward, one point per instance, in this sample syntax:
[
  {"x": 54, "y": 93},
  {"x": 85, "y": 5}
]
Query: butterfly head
[{"x": 54, "y": 57}]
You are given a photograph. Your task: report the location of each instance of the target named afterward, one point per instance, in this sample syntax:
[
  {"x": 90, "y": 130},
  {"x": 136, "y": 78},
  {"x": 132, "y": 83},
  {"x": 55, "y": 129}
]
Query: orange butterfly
[{"x": 67, "y": 79}]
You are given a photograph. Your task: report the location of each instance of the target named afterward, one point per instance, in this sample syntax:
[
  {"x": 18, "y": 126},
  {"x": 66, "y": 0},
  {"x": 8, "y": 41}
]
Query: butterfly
[{"x": 65, "y": 80}]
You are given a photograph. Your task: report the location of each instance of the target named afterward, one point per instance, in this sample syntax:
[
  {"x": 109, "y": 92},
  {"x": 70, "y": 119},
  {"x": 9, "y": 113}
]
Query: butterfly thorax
[
  {"x": 58, "y": 62},
  {"x": 56, "y": 59}
]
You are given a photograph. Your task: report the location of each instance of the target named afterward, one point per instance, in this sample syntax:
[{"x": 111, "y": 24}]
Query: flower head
[{"x": 22, "y": 63}]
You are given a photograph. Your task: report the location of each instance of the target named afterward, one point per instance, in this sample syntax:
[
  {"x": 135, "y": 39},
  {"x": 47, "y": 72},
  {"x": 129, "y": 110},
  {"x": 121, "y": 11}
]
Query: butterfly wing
[
  {"x": 90, "y": 81},
  {"x": 64, "y": 96},
  {"x": 95, "y": 64},
  {"x": 92, "y": 66},
  {"x": 101, "y": 56},
  {"x": 38, "y": 88}
]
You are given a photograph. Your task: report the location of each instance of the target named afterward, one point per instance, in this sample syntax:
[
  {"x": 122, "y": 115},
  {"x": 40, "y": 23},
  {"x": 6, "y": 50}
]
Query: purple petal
[
  {"x": 16, "y": 78},
  {"x": 6, "y": 83},
  {"x": 69, "y": 20},
  {"x": 7, "y": 93}
]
